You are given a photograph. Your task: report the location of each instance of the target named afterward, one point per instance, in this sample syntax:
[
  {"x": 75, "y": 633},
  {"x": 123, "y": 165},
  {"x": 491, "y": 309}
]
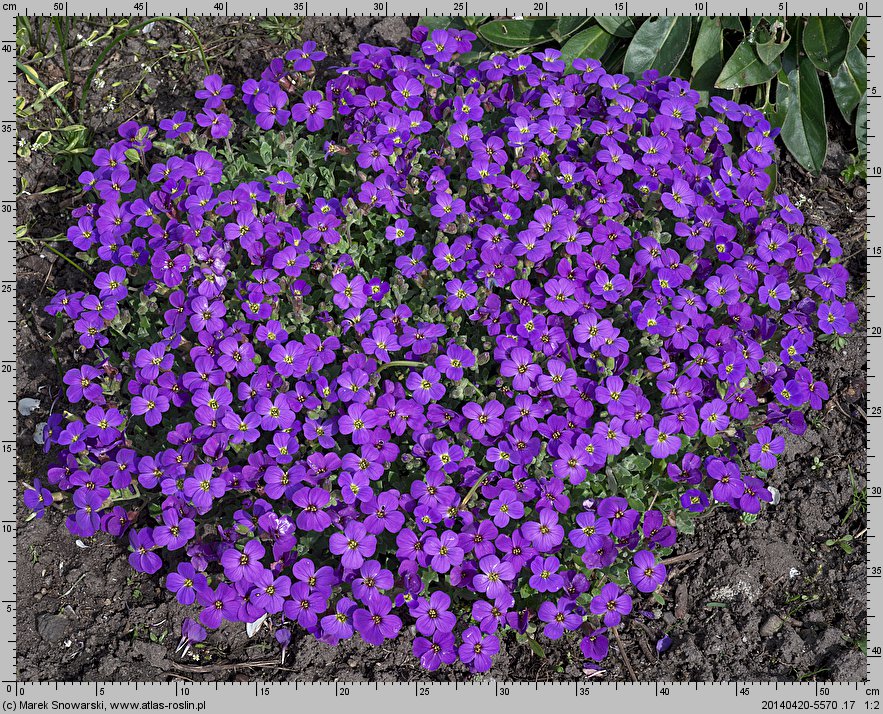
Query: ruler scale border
[{"x": 439, "y": 696}]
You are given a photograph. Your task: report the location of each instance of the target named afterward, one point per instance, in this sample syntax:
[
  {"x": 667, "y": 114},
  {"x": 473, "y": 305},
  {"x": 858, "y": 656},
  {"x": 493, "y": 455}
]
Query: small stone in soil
[{"x": 52, "y": 628}]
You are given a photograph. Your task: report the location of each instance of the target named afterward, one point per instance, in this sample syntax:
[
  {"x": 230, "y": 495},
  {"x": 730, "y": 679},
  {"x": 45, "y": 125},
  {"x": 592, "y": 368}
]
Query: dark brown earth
[{"x": 765, "y": 601}]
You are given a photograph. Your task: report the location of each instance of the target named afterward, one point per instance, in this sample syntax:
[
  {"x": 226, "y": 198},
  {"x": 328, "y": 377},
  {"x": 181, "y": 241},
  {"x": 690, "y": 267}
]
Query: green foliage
[
  {"x": 778, "y": 64},
  {"x": 803, "y": 129},
  {"x": 658, "y": 44}
]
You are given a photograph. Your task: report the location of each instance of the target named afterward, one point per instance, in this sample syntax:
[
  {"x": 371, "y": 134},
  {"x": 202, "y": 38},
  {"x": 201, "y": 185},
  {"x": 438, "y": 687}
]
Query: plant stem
[
  {"x": 625, "y": 657},
  {"x": 400, "y": 363}
]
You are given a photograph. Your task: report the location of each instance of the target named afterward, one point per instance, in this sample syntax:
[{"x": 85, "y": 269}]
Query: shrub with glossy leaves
[{"x": 433, "y": 347}]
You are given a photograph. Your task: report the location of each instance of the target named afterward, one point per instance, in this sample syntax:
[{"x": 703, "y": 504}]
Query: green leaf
[
  {"x": 732, "y": 22},
  {"x": 770, "y": 49},
  {"x": 861, "y": 125},
  {"x": 518, "y": 33},
  {"x": 568, "y": 25},
  {"x": 770, "y": 190},
  {"x": 266, "y": 152},
  {"x": 708, "y": 54},
  {"x": 636, "y": 463},
  {"x": 850, "y": 83},
  {"x": 591, "y": 43},
  {"x": 857, "y": 30},
  {"x": 42, "y": 140},
  {"x": 803, "y": 129},
  {"x": 744, "y": 69},
  {"x": 537, "y": 648},
  {"x": 685, "y": 523},
  {"x": 620, "y": 26},
  {"x": 658, "y": 44},
  {"x": 825, "y": 42},
  {"x": 791, "y": 55}
]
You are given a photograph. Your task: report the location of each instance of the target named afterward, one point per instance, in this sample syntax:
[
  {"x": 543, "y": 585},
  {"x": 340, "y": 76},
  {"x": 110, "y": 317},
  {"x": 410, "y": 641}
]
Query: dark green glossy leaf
[
  {"x": 658, "y": 44},
  {"x": 771, "y": 44},
  {"x": 708, "y": 54},
  {"x": 516, "y": 34},
  {"x": 769, "y": 51},
  {"x": 613, "y": 61},
  {"x": 825, "y": 42},
  {"x": 591, "y": 43},
  {"x": 850, "y": 83},
  {"x": 803, "y": 129},
  {"x": 568, "y": 25},
  {"x": 857, "y": 30},
  {"x": 732, "y": 22},
  {"x": 617, "y": 26},
  {"x": 745, "y": 69},
  {"x": 791, "y": 55},
  {"x": 861, "y": 125}
]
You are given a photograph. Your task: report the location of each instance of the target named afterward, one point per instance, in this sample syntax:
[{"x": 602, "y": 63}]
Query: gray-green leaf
[
  {"x": 568, "y": 25},
  {"x": 803, "y": 129},
  {"x": 658, "y": 44},
  {"x": 745, "y": 69},
  {"x": 591, "y": 43},
  {"x": 620, "y": 26},
  {"x": 708, "y": 54},
  {"x": 769, "y": 50},
  {"x": 850, "y": 83},
  {"x": 825, "y": 41},
  {"x": 857, "y": 30},
  {"x": 516, "y": 34}
]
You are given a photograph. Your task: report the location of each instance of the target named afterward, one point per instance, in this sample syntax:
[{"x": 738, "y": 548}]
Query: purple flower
[
  {"x": 545, "y": 534},
  {"x": 243, "y": 565},
  {"x": 186, "y": 583},
  {"x": 521, "y": 367},
  {"x": 646, "y": 574},
  {"x": 764, "y": 450},
  {"x": 151, "y": 403},
  {"x": 142, "y": 558},
  {"x": 595, "y": 645},
  {"x": 478, "y": 649},
  {"x": 493, "y": 577},
  {"x": 176, "y": 126},
  {"x": 353, "y": 546},
  {"x": 37, "y": 498},
  {"x": 426, "y": 387},
  {"x": 270, "y": 108},
  {"x": 215, "y": 91},
  {"x": 444, "y": 551},
  {"x": 694, "y": 500},
  {"x": 436, "y": 652},
  {"x": 558, "y": 616},
  {"x": 433, "y": 615},
  {"x": 313, "y": 109},
  {"x": 376, "y": 623},
  {"x": 612, "y": 603}
]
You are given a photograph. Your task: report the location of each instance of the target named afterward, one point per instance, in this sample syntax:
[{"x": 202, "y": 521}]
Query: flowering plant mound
[{"x": 456, "y": 349}]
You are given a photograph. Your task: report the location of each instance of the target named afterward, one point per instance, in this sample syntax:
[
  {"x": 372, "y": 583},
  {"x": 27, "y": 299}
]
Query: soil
[{"x": 763, "y": 601}]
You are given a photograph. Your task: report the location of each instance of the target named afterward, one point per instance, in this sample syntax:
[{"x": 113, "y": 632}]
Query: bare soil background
[{"x": 766, "y": 601}]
